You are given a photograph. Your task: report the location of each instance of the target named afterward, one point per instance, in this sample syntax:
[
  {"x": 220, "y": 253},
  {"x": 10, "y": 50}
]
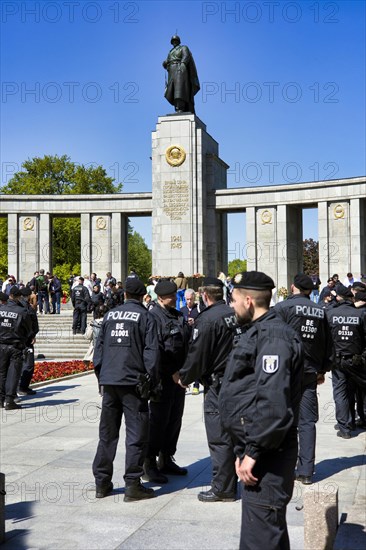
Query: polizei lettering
[
  {"x": 123, "y": 315},
  {"x": 342, "y": 320},
  {"x": 308, "y": 311},
  {"x": 8, "y": 314}
]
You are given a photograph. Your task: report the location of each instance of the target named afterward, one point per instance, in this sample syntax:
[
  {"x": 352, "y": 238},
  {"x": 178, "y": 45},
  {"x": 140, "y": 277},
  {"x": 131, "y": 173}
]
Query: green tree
[
  {"x": 235, "y": 266},
  {"x": 139, "y": 255},
  {"x": 54, "y": 175},
  {"x": 310, "y": 256}
]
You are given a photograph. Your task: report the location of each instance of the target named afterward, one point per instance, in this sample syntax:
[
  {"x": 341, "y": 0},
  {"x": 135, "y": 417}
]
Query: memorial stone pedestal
[{"x": 188, "y": 235}]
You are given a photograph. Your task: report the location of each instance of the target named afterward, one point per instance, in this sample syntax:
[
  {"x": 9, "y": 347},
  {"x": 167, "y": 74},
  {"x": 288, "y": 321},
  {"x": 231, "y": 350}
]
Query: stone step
[{"x": 55, "y": 339}]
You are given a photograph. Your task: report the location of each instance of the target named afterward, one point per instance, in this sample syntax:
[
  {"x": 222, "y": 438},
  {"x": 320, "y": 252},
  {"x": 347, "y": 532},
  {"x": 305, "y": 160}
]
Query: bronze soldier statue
[{"x": 183, "y": 83}]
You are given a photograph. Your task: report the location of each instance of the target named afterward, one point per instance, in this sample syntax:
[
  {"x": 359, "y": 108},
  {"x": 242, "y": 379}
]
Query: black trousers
[
  {"x": 10, "y": 370},
  {"x": 118, "y": 401},
  {"x": 309, "y": 416},
  {"x": 224, "y": 478},
  {"x": 263, "y": 523},
  {"x": 79, "y": 318},
  {"x": 343, "y": 397},
  {"x": 27, "y": 368},
  {"x": 166, "y": 419}
]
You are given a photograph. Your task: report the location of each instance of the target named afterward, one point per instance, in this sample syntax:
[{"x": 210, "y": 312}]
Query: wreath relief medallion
[
  {"x": 339, "y": 212},
  {"x": 28, "y": 224},
  {"x": 101, "y": 223},
  {"x": 175, "y": 155}
]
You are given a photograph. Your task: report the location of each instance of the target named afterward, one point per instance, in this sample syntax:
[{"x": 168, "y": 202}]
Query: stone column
[
  {"x": 357, "y": 237},
  {"x": 86, "y": 251},
  {"x": 324, "y": 269},
  {"x": 186, "y": 171},
  {"x": 100, "y": 232},
  {"x": 119, "y": 237},
  {"x": 13, "y": 245},
  {"x": 251, "y": 244},
  {"x": 45, "y": 242},
  {"x": 29, "y": 247},
  {"x": 290, "y": 247},
  {"x": 267, "y": 241},
  {"x": 339, "y": 238}
]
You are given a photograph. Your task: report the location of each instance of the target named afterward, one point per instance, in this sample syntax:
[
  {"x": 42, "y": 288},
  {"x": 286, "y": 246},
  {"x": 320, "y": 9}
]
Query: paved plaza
[{"x": 47, "y": 450}]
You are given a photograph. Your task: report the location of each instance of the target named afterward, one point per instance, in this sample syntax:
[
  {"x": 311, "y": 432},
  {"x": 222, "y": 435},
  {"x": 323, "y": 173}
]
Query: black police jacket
[
  {"x": 309, "y": 320},
  {"x": 127, "y": 346},
  {"x": 80, "y": 296},
  {"x": 33, "y": 319},
  {"x": 348, "y": 329},
  {"x": 260, "y": 394},
  {"x": 212, "y": 341},
  {"x": 173, "y": 338},
  {"x": 15, "y": 324}
]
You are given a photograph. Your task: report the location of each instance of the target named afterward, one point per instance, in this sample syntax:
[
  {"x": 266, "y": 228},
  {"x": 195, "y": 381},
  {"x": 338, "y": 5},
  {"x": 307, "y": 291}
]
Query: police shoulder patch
[
  {"x": 195, "y": 333},
  {"x": 270, "y": 363}
]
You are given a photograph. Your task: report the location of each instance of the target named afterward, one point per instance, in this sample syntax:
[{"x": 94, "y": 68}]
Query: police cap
[
  {"x": 15, "y": 291},
  {"x": 135, "y": 286},
  {"x": 253, "y": 280},
  {"x": 25, "y": 291},
  {"x": 343, "y": 291},
  {"x": 360, "y": 296},
  {"x": 3, "y": 297},
  {"x": 164, "y": 288},
  {"x": 303, "y": 282},
  {"x": 212, "y": 281}
]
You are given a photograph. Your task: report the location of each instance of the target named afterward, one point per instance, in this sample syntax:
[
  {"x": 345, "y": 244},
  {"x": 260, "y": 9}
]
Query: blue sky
[{"x": 282, "y": 87}]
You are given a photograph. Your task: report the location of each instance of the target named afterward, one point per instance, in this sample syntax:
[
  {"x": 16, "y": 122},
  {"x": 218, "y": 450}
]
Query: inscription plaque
[{"x": 175, "y": 199}]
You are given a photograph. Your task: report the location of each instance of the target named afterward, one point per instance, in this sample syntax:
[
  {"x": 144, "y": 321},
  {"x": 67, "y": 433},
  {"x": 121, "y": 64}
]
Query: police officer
[
  {"x": 259, "y": 405},
  {"x": 126, "y": 350},
  {"x": 166, "y": 414},
  {"x": 309, "y": 321},
  {"x": 15, "y": 328},
  {"x": 360, "y": 422},
  {"x": 28, "y": 360},
  {"x": 80, "y": 298},
  {"x": 211, "y": 343},
  {"x": 348, "y": 329}
]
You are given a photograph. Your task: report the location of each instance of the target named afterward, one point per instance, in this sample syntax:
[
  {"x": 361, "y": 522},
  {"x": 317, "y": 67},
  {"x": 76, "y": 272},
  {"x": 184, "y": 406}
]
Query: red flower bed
[{"x": 47, "y": 370}]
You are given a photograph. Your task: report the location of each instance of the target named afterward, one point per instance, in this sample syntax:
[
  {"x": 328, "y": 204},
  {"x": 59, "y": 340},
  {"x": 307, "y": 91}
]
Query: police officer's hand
[
  {"x": 244, "y": 470},
  {"x": 175, "y": 377}
]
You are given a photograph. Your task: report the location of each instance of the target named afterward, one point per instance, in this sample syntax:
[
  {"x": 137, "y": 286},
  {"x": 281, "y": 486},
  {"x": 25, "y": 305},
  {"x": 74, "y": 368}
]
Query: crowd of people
[{"x": 259, "y": 367}]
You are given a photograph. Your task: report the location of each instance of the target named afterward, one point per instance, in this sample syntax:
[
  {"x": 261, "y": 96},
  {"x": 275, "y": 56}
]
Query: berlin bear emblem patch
[{"x": 270, "y": 363}]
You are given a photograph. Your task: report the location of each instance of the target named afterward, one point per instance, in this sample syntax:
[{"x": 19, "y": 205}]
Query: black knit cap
[
  {"x": 164, "y": 288},
  {"x": 326, "y": 292},
  {"x": 343, "y": 291},
  {"x": 3, "y": 297},
  {"x": 303, "y": 282},
  {"x": 135, "y": 286},
  {"x": 15, "y": 291},
  {"x": 25, "y": 291},
  {"x": 360, "y": 296},
  {"x": 253, "y": 280},
  {"x": 212, "y": 281},
  {"x": 358, "y": 285}
]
